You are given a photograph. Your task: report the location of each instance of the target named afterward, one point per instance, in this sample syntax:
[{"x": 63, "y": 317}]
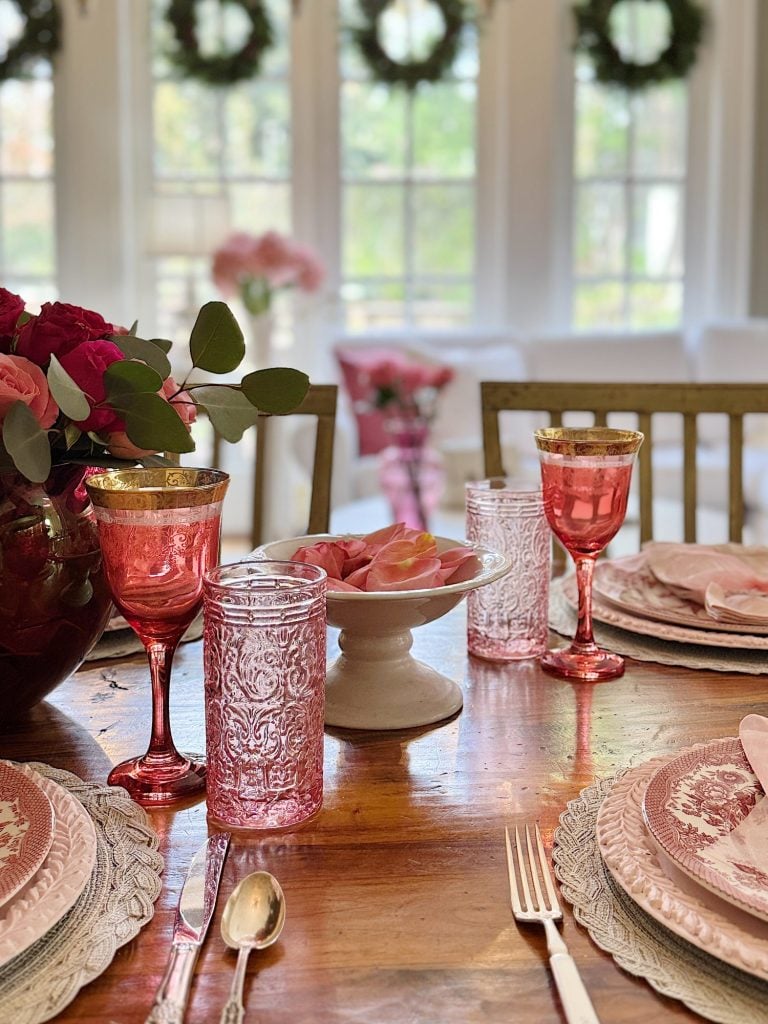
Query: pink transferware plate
[
  {"x": 666, "y": 894},
  {"x": 59, "y": 880},
  {"x": 26, "y": 829},
  {"x": 604, "y": 611},
  {"x": 629, "y": 584},
  {"x": 692, "y": 805}
]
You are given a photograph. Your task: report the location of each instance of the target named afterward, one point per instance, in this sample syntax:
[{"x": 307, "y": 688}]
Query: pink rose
[
  {"x": 309, "y": 271},
  {"x": 11, "y": 308},
  {"x": 182, "y": 403},
  {"x": 232, "y": 261},
  {"x": 22, "y": 381},
  {"x": 86, "y": 365},
  {"x": 59, "y": 329}
]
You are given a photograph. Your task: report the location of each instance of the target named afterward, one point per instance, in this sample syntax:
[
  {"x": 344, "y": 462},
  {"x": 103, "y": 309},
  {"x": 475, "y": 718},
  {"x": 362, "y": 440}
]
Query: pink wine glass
[
  {"x": 585, "y": 477},
  {"x": 159, "y": 535}
]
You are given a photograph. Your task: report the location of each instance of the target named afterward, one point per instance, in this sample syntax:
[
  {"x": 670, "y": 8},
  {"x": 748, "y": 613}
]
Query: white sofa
[{"x": 721, "y": 352}]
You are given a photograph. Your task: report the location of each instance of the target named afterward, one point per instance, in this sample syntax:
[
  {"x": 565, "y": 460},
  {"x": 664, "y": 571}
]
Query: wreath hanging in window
[
  {"x": 221, "y": 68},
  {"x": 593, "y": 24},
  {"x": 40, "y": 37},
  {"x": 409, "y": 73}
]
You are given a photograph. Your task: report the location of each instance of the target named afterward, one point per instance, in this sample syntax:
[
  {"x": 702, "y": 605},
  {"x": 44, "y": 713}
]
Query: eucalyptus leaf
[
  {"x": 127, "y": 379},
  {"x": 68, "y": 396},
  {"x": 27, "y": 443},
  {"x": 72, "y": 435},
  {"x": 156, "y": 461},
  {"x": 278, "y": 389},
  {"x": 152, "y": 423},
  {"x": 24, "y": 318},
  {"x": 150, "y": 353},
  {"x": 216, "y": 343},
  {"x": 228, "y": 409},
  {"x": 134, "y": 327},
  {"x": 162, "y": 343}
]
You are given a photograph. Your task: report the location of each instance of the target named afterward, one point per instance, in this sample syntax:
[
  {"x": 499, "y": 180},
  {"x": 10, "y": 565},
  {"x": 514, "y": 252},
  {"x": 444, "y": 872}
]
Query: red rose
[
  {"x": 59, "y": 329},
  {"x": 11, "y": 307},
  {"x": 86, "y": 365}
]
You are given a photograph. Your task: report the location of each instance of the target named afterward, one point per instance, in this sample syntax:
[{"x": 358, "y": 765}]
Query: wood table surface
[{"x": 397, "y": 898}]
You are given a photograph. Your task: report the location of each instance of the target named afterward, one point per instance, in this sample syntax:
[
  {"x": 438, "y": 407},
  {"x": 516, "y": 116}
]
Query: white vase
[{"x": 259, "y": 341}]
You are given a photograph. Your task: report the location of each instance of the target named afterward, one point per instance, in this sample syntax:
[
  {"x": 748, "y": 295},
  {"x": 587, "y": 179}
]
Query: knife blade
[{"x": 193, "y": 915}]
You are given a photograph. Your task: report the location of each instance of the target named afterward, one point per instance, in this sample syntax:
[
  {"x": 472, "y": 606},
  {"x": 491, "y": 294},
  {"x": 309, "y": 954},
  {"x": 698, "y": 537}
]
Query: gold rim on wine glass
[{"x": 587, "y": 440}]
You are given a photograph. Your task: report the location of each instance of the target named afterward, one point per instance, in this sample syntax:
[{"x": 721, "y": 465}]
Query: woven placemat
[
  {"x": 117, "y": 901},
  {"x": 562, "y": 618},
  {"x": 637, "y": 943}
]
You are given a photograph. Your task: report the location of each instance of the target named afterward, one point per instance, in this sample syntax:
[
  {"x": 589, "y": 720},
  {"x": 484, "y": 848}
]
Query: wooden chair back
[{"x": 733, "y": 400}]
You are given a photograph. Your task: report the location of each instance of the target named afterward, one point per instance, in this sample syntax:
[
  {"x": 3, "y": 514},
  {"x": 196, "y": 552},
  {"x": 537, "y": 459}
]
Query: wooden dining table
[{"x": 397, "y": 895}]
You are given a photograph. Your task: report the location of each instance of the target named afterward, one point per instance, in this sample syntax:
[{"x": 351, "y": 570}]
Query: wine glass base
[
  {"x": 594, "y": 667},
  {"x": 153, "y": 785}
]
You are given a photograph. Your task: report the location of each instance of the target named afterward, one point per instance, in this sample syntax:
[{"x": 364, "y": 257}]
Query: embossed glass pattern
[
  {"x": 264, "y": 655},
  {"x": 507, "y": 620}
]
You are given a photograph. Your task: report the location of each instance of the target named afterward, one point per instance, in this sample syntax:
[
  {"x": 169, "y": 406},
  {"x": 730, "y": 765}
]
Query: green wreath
[
  {"x": 222, "y": 69},
  {"x": 40, "y": 37},
  {"x": 688, "y": 22},
  {"x": 433, "y": 68}
]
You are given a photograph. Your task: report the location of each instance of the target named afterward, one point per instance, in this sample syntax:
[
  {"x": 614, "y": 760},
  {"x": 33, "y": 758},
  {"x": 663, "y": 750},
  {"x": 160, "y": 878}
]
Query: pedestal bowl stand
[{"x": 376, "y": 683}]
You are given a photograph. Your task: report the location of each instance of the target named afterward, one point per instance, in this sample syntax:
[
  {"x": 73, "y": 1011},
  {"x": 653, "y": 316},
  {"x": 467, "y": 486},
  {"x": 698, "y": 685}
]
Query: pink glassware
[
  {"x": 159, "y": 534},
  {"x": 585, "y": 477},
  {"x": 264, "y": 655},
  {"x": 508, "y": 620}
]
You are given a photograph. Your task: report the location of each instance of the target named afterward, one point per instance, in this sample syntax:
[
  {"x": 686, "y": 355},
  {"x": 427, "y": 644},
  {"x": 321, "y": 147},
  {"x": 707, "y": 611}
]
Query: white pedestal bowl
[{"x": 376, "y": 683}]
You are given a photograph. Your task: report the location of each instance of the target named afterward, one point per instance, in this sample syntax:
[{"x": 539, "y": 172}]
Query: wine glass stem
[
  {"x": 585, "y": 566},
  {"x": 161, "y": 746}
]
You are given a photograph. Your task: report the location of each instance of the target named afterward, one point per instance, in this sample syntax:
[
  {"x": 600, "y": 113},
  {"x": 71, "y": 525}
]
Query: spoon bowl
[{"x": 253, "y": 919}]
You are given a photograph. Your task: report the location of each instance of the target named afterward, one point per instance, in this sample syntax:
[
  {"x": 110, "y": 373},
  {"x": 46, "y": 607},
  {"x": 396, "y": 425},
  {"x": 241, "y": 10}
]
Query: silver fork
[{"x": 531, "y": 861}]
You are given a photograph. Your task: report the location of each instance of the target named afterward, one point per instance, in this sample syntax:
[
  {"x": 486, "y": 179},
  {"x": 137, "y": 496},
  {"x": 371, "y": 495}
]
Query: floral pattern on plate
[
  {"x": 629, "y": 584},
  {"x": 687, "y": 909},
  {"x": 692, "y": 807},
  {"x": 26, "y": 829}
]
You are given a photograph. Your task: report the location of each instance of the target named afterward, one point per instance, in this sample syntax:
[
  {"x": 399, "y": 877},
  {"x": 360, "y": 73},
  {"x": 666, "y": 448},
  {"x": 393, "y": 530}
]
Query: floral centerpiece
[
  {"x": 406, "y": 392},
  {"x": 256, "y": 267},
  {"x": 76, "y": 392}
]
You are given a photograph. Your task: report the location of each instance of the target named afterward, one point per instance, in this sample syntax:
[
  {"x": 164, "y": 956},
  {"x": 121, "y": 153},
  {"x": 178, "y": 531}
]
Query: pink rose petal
[
  {"x": 422, "y": 574},
  {"x": 458, "y": 565}
]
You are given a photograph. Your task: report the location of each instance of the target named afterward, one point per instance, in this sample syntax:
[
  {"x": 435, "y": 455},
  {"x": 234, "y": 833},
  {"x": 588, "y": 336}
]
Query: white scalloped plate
[
  {"x": 26, "y": 830},
  {"x": 665, "y": 893},
  {"x": 63, "y": 875}
]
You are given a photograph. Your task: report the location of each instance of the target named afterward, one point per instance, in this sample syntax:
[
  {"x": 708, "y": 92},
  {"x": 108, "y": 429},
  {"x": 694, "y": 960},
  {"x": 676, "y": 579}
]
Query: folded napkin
[
  {"x": 729, "y": 580},
  {"x": 744, "y": 850}
]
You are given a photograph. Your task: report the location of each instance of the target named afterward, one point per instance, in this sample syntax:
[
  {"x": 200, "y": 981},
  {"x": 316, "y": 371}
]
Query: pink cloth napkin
[{"x": 729, "y": 580}]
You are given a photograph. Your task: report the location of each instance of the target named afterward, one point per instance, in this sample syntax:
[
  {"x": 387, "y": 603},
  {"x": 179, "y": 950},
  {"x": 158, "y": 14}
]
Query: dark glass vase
[{"x": 54, "y": 599}]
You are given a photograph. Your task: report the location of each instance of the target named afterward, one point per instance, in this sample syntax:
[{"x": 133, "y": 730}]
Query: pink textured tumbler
[
  {"x": 264, "y": 656},
  {"x": 508, "y": 620}
]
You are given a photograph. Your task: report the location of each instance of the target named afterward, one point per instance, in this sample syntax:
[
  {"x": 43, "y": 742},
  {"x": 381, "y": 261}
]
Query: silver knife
[{"x": 193, "y": 915}]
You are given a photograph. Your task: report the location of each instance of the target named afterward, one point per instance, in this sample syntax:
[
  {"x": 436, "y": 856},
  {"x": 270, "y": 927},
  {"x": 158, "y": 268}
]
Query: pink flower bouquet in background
[
  {"x": 406, "y": 392},
  {"x": 77, "y": 389},
  {"x": 255, "y": 267},
  {"x": 394, "y": 558}
]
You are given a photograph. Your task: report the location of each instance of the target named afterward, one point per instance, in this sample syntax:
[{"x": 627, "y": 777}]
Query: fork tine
[
  {"x": 522, "y": 874},
  {"x": 513, "y": 893},
  {"x": 554, "y": 902},
  {"x": 540, "y": 905}
]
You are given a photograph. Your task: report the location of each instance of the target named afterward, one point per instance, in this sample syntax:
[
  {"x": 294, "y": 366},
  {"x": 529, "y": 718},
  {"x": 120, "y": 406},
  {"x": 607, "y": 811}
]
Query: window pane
[
  {"x": 600, "y": 229},
  {"x": 657, "y": 243},
  {"x": 373, "y": 231},
  {"x": 601, "y": 130},
  {"x": 257, "y": 118},
  {"x": 26, "y": 138},
  {"x": 660, "y": 130},
  {"x": 599, "y": 305},
  {"x": 372, "y": 304},
  {"x": 444, "y": 130},
  {"x": 442, "y": 305},
  {"x": 27, "y": 218},
  {"x": 444, "y": 224},
  {"x": 258, "y": 207},
  {"x": 373, "y": 131},
  {"x": 187, "y": 138},
  {"x": 656, "y": 305}
]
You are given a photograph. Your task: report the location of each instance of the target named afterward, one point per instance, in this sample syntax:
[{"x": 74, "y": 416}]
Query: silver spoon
[{"x": 253, "y": 919}]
